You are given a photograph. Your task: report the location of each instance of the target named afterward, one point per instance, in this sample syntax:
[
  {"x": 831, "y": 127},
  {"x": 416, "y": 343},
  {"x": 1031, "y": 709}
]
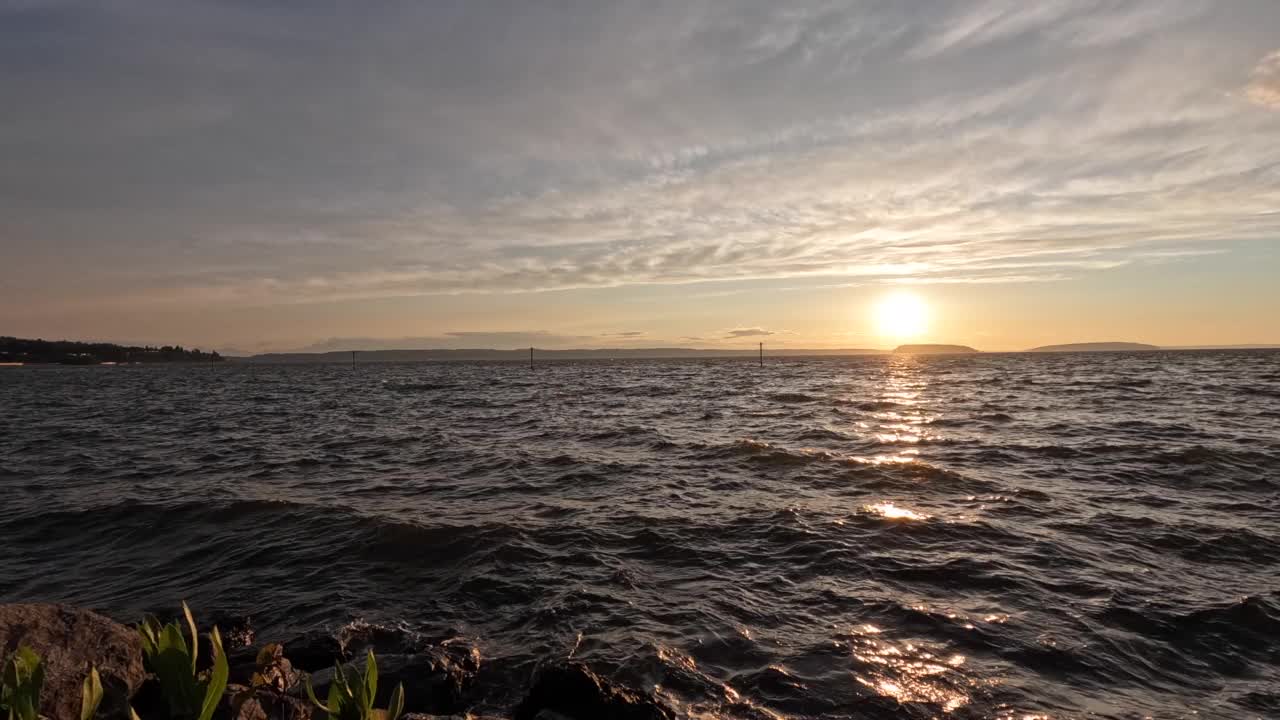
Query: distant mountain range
[
  {"x": 16, "y": 351},
  {"x": 1255, "y": 346},
  {"x": 523, "y": 354},
  {"x": 1096, "y": 347}
]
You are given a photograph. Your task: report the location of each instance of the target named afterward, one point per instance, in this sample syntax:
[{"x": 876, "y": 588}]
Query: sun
[{"x": 902, "y": 316}]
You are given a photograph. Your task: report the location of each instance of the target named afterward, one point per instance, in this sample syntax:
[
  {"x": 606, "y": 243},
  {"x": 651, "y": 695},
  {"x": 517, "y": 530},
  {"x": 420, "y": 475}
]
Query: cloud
[
  {"x": 467, "y": 340},
  {"x": 749, "y": 332},
  {"x": 639, "y": 142},
  {"x": 628, "y": 334},
  {"x": 1264, "y": 84}
]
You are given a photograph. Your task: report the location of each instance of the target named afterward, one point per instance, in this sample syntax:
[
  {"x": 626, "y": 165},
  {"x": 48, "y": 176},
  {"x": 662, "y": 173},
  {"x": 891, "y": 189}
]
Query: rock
[
  {"x": 149, "y": 701},
  {"x": 69, "y": 641},
  {"x": 236, "y": 630},
  {"x": 550, "y": 715},
  {"x": 263, "y": 666},
  {"x": 246, "y": 703},
  {"x": 465, "y": 716},
  {"x": 315, "y": 651},
  {"x": 572, "y": 689},
  {"x": 435, "y": 680},
  {"x": 358, "y": 637}
]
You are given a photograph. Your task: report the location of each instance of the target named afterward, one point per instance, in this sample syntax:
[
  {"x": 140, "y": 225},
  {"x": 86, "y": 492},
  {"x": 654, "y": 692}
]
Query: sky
[{"x": 254, "y": 176}]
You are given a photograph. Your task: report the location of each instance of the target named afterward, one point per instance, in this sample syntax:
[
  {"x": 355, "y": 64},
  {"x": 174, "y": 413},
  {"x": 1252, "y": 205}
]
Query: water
[{"x": 993, "y": 536}]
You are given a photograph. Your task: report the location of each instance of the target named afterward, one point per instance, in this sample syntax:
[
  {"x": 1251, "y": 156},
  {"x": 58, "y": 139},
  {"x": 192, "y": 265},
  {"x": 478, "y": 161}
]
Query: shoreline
[{"x": 266, "y": 680}]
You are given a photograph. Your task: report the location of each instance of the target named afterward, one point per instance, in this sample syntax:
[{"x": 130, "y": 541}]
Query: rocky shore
[{"x": 438, "y": 676}]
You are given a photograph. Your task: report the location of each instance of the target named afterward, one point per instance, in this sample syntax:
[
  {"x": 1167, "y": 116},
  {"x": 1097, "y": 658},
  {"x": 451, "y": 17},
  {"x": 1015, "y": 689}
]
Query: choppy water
[{"x": 992, "y": 536}]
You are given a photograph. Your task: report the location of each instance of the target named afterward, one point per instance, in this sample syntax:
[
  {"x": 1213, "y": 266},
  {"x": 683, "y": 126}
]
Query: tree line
[{"x": 70, "y": 352}]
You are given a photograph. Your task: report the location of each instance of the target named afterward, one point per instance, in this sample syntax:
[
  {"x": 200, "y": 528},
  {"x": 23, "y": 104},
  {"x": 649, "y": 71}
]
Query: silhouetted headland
[
  {"x": 934, "y": 350},
  {"x": 68, "y": 352},
  {"x": 1096, "y": 347}
]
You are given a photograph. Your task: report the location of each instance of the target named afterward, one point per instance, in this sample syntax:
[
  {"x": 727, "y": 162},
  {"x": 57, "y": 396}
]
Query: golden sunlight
[{"x": 902, "y": 316}]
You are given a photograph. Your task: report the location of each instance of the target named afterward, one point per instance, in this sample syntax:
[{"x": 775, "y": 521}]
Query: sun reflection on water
[
  {"x": 897, "y": 416},
  {"x": 890, "y": 511},
  {"x": 909, "y": 673}
]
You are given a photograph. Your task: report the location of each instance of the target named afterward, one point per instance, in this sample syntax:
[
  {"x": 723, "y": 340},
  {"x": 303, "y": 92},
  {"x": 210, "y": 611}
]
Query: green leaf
[
  {"x": 172, "y": 667},
  {"x": 370, "y": 682},
  {"x": 29, "y": 670},
  {"x": 149, "y": 632},
  {"x": 217, "y": 677},
  {"x": 337, "y": 701},
  {"x": 311, "y": 694},
  {"x": 355, "y": 691},
  {"x": 90, "y": 695},
  {"x": 171, "y": 639},
  {"x": 195, "y": 637},
  {"x": 397, "y": 703},
  {"x": 343, "y": 685},
  {"x": 20, "y": 684}
]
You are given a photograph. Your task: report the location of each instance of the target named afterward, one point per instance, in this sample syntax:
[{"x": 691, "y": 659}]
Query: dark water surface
[{"x": 1003, "y": 536}]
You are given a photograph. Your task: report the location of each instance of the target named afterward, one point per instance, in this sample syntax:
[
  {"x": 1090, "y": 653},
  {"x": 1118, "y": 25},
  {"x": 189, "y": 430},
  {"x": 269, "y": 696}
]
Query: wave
[
  {"x": 711, "y": 529},
  {"x": 791, "y": 397},
  {"x": 1225, "y": 633},
  {"x": 416, "y": 387},
  {"x": 877, "y": 405}
]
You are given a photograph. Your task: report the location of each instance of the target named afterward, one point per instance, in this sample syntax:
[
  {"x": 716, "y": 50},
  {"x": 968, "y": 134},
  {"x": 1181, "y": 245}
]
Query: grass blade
[{"x": 195, "y": 637}]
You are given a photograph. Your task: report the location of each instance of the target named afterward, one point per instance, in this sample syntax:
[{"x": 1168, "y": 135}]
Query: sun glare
[{"x": 902, "y": 315}]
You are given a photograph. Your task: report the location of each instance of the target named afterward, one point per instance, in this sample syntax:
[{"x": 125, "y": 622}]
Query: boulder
[
  {"x": 70, "y": 641},
  {"x": 572, "y": 690},
  {"x": 314, "y": 651},
  {"x": 358, "y": 637},
  {"x": 246, "y": 703}
]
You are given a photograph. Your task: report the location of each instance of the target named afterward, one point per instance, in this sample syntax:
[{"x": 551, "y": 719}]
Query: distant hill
[
  {"x": 1095, "y": 347},
  {"x": 69, "y": 352},
  {"x": 934, "y": 350},
  {"x": 522, "y": 355},
  {"x": 1246, "y": 346}
]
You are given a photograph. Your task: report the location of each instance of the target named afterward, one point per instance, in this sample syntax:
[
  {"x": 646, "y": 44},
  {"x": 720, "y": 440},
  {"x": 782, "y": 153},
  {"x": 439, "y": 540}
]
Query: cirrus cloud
[
  {"x": 1264, "y": 84},
  {"x": 247, "y": 155}
]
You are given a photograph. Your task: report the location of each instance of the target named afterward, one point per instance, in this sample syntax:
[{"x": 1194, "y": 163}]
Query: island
[
  {"x": 1096, "y": 347},
  {"x": 22, "y": 351},
  {"x": 934, "y": 350}
]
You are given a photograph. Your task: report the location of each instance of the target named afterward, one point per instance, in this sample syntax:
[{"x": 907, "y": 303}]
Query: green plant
[
  {"x": 90, "y": 695},
  {"x": 20, "y": 685},
  {"x": 190, "y": 693},
  {"x": 351, "y": 696}
]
